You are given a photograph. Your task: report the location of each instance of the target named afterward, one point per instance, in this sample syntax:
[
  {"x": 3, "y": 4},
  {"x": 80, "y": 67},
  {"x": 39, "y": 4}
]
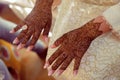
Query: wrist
[
  {"x": 42, "y": 6},
  {"x": 105, "y": 29},
  {"x": 44, "y": 2},
  {"x": 105, "y": 26}
]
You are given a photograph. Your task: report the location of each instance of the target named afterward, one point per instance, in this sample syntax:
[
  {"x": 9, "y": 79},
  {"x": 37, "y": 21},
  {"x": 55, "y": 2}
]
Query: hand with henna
[
  {"x": 74, "y": 44},
  {"x": 36, "y": 23}
]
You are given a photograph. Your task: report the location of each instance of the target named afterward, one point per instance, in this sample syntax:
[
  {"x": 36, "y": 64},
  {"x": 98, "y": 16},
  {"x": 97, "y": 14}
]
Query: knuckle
[
  {"x": 33, "y": 42},
  {"x": 63, "y": 67},
  {"x": 55, "y": 66},
  {"x": 35, "y": 38},
  {"x": 50, "y": 60},
  {"x": 64, "y": 55}
]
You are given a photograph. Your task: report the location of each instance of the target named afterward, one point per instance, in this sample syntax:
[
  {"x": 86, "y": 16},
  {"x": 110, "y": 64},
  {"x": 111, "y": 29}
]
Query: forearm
[
  {"x": 43, "y": 3},
  {"x": 8, "y": 14},
  {"x": 42, "y": 7},
  {"x": 109, "y": 20}
]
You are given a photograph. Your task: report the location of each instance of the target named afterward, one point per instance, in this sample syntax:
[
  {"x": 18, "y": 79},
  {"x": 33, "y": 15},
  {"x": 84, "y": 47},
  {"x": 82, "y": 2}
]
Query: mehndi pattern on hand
[
  {"x": 40, "y": 19},
  {"x": 73, "y": 45}
]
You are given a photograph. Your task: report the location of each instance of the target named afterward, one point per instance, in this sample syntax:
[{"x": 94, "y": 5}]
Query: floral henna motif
[
  {"x": 39, "y": 19},
  {"x": 73, "y": 45}
]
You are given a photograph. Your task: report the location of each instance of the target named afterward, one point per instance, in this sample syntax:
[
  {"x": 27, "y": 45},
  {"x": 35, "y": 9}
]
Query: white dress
[{"x": 102, "y": 59}]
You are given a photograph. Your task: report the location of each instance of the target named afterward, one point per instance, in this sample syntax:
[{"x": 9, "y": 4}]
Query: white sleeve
[{"x": 112, "y": 15}]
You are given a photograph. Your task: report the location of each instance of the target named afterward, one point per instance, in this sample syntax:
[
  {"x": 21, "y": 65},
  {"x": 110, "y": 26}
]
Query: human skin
[
  {"x": 74, "y": 44},
  {"x": 39, "y": 19},
  {"x": 32, "y": 64},
  {"x": 84, "y": 42},
  {"x": 8, "y": 14}
]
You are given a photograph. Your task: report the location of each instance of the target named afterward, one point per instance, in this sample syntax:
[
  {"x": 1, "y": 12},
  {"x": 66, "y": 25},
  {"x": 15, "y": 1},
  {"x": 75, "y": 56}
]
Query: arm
[
  {"x": 74, "y": 44},
  {"x": 8, "y": 14},
  {"x": 38, "y": 20}
]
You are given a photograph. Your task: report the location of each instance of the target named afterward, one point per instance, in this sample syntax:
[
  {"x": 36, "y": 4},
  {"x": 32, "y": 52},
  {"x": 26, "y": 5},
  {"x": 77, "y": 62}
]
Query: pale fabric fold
[{"x": 112, "y": 15}]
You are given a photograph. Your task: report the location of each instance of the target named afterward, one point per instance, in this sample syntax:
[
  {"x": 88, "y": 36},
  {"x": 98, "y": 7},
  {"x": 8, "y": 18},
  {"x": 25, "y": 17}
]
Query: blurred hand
[
  {"x": 37, "y": 21},
  {"x": 73, "y": 45}
]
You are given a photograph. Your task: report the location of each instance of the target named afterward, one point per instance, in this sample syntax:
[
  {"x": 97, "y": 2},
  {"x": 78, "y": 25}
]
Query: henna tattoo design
[
  {"x": 39, "y": 19},
  {"x": 73, "y": 45}
]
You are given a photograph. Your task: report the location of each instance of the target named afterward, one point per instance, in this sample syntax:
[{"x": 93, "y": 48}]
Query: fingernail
[
  {"x": 16, "y": 41},
  {"x": 59, "y": 72},
  {"x": 52, "y": 46},
  {"x": 20, "y": 46},
  {"x": 50, "y": 72},
  {"x": 75, "y": 72},
  {"x": 46, "y": 65},
  {"x": 12, "y": 31},
  {"x": 30, "y": 48},
  {"x": 46, "y": 39}
]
